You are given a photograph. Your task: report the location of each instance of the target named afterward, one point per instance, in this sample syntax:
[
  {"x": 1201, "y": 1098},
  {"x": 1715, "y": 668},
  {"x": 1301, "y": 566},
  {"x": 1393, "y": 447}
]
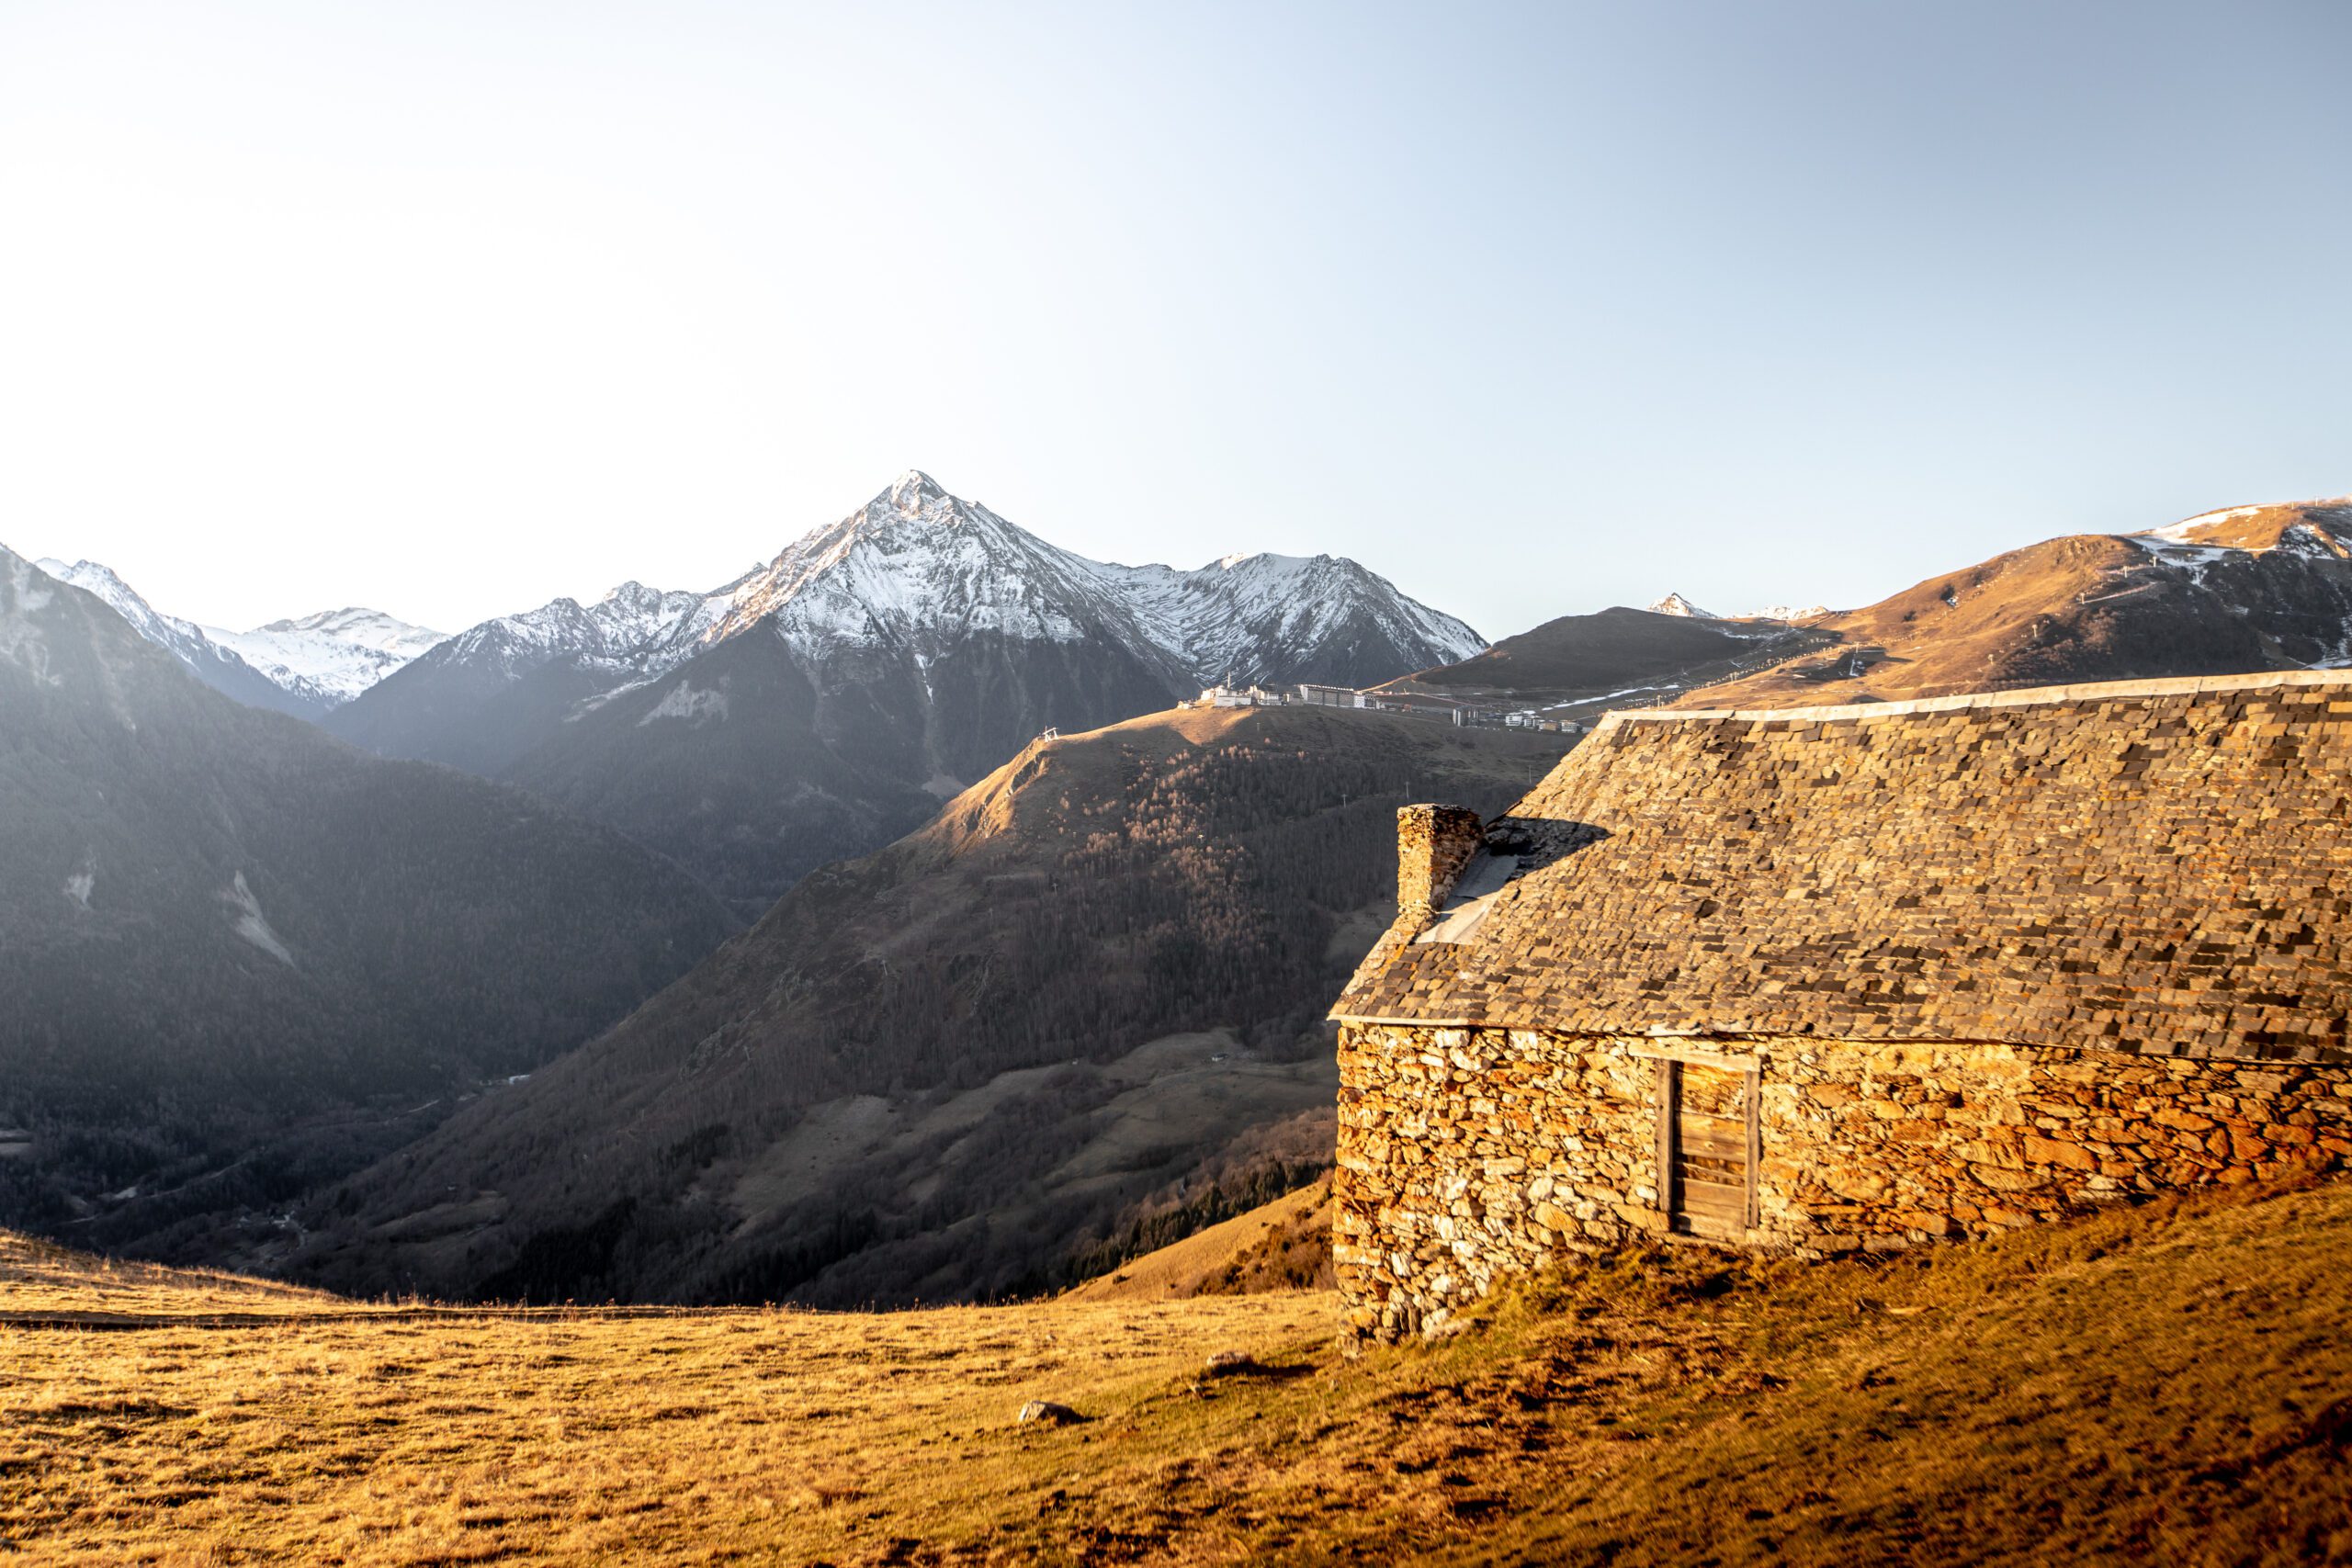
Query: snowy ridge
[
  {"x": 333, "y": 656},
  {"x": 632, "y": 631},
  {"x": 1227, "y": 618},
  {"x": 917, "y": 570},
  {"x": 185, "y": 639}
]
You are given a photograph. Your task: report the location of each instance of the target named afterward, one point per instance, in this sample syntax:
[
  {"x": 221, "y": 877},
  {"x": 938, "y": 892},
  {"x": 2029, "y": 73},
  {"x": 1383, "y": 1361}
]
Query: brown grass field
[{"x": 2171, "y": 1384}]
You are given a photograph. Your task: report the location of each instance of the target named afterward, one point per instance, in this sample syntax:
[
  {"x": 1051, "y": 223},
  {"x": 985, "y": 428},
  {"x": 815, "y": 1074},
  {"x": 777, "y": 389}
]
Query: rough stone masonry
[{"x": 1850, "y": 978}]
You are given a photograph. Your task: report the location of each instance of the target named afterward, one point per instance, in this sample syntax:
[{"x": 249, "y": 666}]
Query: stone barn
[{"x": 1841, "y": 978}]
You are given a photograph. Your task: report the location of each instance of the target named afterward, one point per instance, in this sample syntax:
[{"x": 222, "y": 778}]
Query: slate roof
[{"x": 2161, "y": 867}]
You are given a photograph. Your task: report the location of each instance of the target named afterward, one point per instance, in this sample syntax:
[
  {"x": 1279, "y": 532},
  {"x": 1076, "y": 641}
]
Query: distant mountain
[
  {"x": 303, "y": 667},
  {"x": 1676, "y": 604},
  {"x": 221, "y": 930},
  {"x": 1082, "y": 1006},
  {"x": 484, "y": 698},
  {"x": 2245, "y": 589},
  {"x": 825, "y": 704},
  {"x": 201, "y": 655},
  {"x": 1579, "y": 666},
  {"x": 330, "y": 656}
]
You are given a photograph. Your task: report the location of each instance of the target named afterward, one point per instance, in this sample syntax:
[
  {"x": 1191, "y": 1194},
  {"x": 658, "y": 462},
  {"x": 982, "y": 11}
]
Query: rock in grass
[{"x": 1053, "y": 1414}]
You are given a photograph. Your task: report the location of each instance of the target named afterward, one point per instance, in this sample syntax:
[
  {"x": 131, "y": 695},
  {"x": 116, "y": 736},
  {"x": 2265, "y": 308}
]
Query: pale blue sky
[{"x": 448, "y": 309}]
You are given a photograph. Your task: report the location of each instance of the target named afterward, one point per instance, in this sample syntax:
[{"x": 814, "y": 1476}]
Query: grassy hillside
[
  {"x": 1284, "y": 1245},
  {"x": 2260, "y": 588},
  {"x": 2270, "y": 590},
  {"x": 2164, "y": 1384},
  {"x": 1078, "y": 1014}
]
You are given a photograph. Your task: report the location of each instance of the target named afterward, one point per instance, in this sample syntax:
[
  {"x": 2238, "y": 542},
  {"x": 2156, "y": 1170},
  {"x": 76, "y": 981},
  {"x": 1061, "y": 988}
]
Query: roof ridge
[{"x": 2094, "y": 691}]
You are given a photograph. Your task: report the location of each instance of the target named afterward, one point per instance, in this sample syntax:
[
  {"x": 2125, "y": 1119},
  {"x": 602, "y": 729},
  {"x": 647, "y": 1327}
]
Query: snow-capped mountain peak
[
  {"x": 1676, "y": 604},
  {"x": 332, "y": 656},
  {"x": 918, "y": 567}
]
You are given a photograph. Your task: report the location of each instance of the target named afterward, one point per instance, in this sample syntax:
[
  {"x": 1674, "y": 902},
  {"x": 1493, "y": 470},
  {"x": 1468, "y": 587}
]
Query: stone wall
[
  {"x": 1433, "y": 843},
  {"x": 1469, "y": 1155}
]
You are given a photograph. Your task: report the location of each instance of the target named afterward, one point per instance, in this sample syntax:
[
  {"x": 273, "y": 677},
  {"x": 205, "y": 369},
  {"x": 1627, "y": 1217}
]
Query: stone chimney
[{"x": 1433, "y": 843}]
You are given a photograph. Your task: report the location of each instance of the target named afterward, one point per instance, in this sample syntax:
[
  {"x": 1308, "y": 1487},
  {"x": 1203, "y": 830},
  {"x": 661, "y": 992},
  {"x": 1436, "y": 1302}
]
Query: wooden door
[{"x": 1707, "y": 1147}]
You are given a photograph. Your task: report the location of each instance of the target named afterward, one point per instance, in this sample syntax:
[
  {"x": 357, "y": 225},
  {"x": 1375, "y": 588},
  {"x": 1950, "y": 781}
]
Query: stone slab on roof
[{"x": 2161, "y": 867}]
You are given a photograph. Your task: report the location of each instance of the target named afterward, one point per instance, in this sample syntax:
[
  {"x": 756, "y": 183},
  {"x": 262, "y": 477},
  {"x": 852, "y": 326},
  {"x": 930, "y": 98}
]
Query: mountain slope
[
  {"x": 2250, "y": 588},
  {"x": 481, "y": 699},
  {"x": 988, "y": 1055},
  {"x": 751, "y": 766},
  {"x": 2245, "y": 589},
  {"x": 822, "y": 704},
  {"x": 216, "y": 921},
  {"x": 201, "y": 655}
]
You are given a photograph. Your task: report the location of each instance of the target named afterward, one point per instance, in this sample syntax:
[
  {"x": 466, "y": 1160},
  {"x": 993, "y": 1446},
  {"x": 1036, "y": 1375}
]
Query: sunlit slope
[
  {"x": 2164, "y": 1384},
  {"x": 2252, "y": 588},
  {"x": 1284, "y": 1245}
]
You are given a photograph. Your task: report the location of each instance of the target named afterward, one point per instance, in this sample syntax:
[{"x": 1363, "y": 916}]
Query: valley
[{"x": 977, "y": 1063}]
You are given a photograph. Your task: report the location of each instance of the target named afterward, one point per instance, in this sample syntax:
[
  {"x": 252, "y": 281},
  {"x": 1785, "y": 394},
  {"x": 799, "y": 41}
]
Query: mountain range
[
  {"x": 303, "y": 667},
  {"x": 2247, "y": 588},
  {"x": 829, "y": 702},
  {"x": 220, "y": 927}
]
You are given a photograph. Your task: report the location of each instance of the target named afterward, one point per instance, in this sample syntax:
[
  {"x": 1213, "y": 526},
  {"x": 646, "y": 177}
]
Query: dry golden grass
[
  {"x": 1285, "y": 1244},
  {"x": 2168, "y": 1383}
]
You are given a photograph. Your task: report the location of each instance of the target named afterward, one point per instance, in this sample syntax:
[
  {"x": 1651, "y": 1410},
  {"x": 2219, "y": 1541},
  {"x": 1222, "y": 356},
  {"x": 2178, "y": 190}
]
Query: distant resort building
[
  {"x": 1825, "y": 980},
  {"x": 1234, "y": 697}
]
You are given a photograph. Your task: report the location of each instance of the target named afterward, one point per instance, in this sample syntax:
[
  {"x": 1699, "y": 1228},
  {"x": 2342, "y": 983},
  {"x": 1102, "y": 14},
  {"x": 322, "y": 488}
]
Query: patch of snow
[
  {"x": 1786, "y": 613},
  {"x": 684, "y": 701},
  {"x": 250, "y": 924},
  {"x": 30, "y": 591},
  {"x": 2178, "y": 533}
]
